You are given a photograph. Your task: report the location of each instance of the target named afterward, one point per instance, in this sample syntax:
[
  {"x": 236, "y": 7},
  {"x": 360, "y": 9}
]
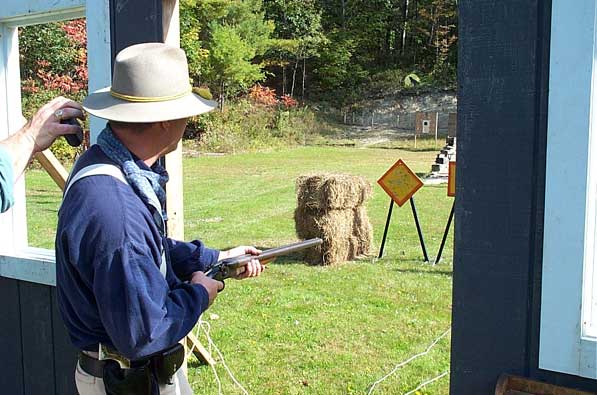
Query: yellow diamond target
[{"x": 400, "y": 182}]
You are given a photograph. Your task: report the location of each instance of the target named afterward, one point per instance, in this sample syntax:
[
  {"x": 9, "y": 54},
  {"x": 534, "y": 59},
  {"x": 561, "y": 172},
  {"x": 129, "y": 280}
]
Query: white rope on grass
[
  {"x": 206, "y": 327},
  {"x": 426, "y": 383},
  {"x": 409, "y": 360},
  {"x": 210, "y": 351}
]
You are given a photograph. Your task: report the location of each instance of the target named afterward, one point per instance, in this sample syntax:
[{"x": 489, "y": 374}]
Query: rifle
[{"x": 231, "y": 267}]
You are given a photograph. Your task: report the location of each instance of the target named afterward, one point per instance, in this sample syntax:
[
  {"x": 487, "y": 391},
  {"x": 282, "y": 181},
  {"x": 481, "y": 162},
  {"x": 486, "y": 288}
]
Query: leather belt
[
  {"x": 163, "y": 365},
  {"x": 91, "y": 365}
]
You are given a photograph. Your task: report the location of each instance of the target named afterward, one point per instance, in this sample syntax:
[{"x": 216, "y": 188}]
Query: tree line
[
  {"x": 338, "y": 51},
  {"x": 335, "y": 50}
]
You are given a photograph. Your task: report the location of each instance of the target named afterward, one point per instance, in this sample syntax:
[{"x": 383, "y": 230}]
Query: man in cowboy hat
[{"x": 118, "y": 275}]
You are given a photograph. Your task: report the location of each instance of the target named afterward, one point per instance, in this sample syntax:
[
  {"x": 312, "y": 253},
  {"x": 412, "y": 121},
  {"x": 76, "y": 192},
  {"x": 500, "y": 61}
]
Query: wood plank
[
  {"x": 134, "y": 22},
  {"x": 171, "y": 22},
  {"x": 14, "y": 222},
  {"x": 175, "y": 193},
  {"x": 198, "y": 350},
  {"x": 65, "y": 354},
  {"x": 569, "y": 225},
  {"x": 19, "y": 9},
  {"x": 494, "y": 252},
  {"x": 515, "y": 385},
  {"x": 37, "y": 337},
  {"x": 52, "y": 165},
  {"x": 99, "y": 48},
  {"x": 30, "y": 266},
  {"x": 174, "y": 189},
  {"x": 11, "y": 363}
]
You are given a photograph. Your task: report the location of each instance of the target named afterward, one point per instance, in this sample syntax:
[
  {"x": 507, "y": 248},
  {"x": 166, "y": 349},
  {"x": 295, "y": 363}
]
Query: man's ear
[{"x": 165, "y": 125}]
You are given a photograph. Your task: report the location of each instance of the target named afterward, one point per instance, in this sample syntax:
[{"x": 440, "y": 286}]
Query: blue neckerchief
[{"x": 147, "y": 184}]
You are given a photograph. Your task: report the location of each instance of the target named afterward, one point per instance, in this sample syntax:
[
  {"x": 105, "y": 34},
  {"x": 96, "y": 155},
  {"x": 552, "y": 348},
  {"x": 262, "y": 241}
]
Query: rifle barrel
[
  {"x": 285, "y": 250},
  {"x": 275, "y": 252}
]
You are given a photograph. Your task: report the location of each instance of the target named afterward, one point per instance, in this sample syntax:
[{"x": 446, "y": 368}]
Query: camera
[{"x": 74, "y": 140}]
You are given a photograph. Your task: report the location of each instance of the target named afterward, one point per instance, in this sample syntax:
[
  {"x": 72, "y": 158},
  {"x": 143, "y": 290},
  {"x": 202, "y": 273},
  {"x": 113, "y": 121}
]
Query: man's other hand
[
  {"x": 45, "y": 126},
  {"x": 253, "y": 269},
  {"x": 212, "y": 286}
]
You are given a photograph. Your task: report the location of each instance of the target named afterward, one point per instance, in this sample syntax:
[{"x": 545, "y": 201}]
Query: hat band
[{"x": 146, "y": 99}]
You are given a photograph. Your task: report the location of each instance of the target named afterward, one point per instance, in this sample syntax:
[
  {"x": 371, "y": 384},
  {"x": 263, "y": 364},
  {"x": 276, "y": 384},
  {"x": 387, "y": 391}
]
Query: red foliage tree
[{"x": 45, "y": 75}]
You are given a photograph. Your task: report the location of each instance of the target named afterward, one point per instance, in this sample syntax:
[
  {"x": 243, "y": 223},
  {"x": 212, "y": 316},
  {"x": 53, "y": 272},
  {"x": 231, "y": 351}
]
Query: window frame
[
  {"x": 570, "y": 223},
  {"x": 17, "y": 259}
]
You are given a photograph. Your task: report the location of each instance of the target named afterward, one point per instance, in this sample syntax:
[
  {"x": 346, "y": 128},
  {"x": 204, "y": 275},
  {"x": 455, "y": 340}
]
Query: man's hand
[
  {"x": 45, "y": 126},
  {"x": 253, "y": 269},
  {"x": 39, "y": 133},
  {"x": 212, "y": 286}
]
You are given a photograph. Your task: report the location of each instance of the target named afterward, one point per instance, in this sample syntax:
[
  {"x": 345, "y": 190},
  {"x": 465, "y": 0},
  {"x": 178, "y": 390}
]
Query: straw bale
[
  {"x": 330, "y": 206},
  {"x": 363, "y": 231},
  {"x": 332, "y": 191},
  {"x": 318, "y": 223},
  {"x": 354, "y": 247},
  {"x": 346, "y": 234}
]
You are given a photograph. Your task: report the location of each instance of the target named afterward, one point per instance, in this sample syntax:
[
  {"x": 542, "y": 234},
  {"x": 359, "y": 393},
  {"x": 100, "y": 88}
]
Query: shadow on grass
[
  {"x": 422, "y": 271},
  {"x": 405, "y": 148},
  {"x": 46, "y": 203}
]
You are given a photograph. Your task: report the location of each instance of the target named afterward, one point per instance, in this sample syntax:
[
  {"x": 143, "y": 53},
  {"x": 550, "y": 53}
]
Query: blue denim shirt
[
  {"x": 110, "y": 288},
  {"x": 6, "y": 181}
]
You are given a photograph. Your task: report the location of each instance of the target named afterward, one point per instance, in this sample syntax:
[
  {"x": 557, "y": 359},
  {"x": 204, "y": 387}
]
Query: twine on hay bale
[{"x": 330, "y": 206}]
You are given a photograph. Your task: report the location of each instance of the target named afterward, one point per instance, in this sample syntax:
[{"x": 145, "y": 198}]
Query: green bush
[
  {"x": 245, "y": 126},
  {"x": 46, "y": 43},
  {"x": 53, "y": 63}
]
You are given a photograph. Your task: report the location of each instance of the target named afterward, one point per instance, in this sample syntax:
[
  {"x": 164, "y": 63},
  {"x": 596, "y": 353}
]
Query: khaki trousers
[{"x": 90, "y": 385}]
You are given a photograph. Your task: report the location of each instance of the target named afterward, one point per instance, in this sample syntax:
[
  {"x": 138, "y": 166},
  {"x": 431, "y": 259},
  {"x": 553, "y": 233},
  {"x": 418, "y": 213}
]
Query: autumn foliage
[
  {"x": 54, "y": 58},
  {"x": 265, "y": 96}
]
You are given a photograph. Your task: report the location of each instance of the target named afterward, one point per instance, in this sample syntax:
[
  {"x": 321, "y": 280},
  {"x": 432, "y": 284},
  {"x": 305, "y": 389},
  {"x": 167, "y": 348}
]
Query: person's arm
[
  {"x": 39, "y": 133},
  {"x": 187, "y": 258},
  {"x": 139, "y": 311},
  {"x": 6, "y": 181}
]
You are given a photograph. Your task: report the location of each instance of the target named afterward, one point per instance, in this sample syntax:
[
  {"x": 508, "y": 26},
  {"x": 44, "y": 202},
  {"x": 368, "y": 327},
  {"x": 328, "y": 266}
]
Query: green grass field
[{"x": 300, "y": 329}]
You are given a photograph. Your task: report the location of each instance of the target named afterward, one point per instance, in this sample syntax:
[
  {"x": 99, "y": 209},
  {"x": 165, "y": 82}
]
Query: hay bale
[
  {"x": 334, "y": 227},
  {"x": 330, "y": 207},
  {"x": 332, "y": 191},
  {"x": 363, "y": 231},
  {"x": 346, "y": 234},
  {"x": 354, "y": 247},
  {"x": 331, "y": 253},
  {"x": 325, "y": 224}
]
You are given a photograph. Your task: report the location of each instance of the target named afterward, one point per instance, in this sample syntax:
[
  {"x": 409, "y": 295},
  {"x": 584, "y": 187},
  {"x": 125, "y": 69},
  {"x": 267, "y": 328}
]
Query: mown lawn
[{"x": 301, "y": 329}]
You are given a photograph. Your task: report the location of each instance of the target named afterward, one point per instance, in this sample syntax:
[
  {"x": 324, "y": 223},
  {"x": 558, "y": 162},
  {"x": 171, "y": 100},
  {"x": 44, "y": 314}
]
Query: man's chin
[{"x": 170, "y": 148}]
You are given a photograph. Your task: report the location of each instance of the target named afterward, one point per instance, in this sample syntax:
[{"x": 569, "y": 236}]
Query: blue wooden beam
[{"x": 32, "y": 265}]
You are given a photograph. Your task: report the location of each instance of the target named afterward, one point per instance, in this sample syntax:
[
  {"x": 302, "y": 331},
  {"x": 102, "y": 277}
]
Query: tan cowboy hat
[{"x": 150, "y": 84}]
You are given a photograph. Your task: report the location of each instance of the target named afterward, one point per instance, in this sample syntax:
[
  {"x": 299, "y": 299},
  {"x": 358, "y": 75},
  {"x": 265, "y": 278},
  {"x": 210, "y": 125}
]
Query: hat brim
[{"x": 103, "y": 105}]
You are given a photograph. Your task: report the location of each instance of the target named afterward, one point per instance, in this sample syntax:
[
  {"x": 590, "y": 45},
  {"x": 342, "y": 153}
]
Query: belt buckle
[{"x": 106, "y": 353}]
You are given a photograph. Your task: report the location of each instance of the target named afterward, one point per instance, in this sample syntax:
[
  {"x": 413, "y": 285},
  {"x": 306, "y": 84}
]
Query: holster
[
  {"x": 167, "y": 363},
  {"x": 134, "y": 381},
  {"x": 143, "y": 378}
]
